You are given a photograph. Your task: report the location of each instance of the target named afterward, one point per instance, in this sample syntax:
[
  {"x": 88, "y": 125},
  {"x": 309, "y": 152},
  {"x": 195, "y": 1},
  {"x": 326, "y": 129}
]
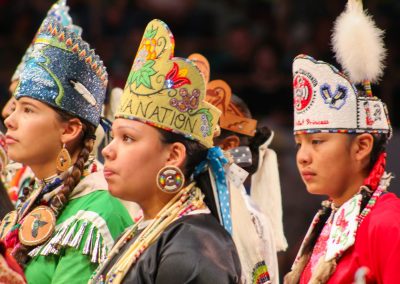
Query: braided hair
[{"x": 75, "y": 175}]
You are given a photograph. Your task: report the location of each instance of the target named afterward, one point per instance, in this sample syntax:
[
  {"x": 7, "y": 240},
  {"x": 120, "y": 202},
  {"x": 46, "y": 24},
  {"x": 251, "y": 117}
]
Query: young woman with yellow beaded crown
[
  {"x": 341, "y": 133},
  {"x": 68, "y": 220},
  {"x": 162, "y": 157}
]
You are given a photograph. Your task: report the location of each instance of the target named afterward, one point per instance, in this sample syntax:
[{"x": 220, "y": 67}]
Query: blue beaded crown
[{"x": 64, "y": 72}]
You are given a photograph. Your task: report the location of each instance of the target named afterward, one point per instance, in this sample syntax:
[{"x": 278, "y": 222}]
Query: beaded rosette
[{"x": 166, "y": 91}]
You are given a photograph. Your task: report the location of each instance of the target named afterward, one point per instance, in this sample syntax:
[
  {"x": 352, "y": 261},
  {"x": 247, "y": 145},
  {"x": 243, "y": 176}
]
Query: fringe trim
[
  {"x": 323, "y": 271},
  {"x": 71, "y": 235},
  {"x": 293, "y": 277}
]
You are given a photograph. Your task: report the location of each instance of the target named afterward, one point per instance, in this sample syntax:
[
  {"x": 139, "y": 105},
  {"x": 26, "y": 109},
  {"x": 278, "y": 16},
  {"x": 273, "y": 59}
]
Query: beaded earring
[
  {"x": 170, "y": 179},
  {"x": 63, "y": 160}
]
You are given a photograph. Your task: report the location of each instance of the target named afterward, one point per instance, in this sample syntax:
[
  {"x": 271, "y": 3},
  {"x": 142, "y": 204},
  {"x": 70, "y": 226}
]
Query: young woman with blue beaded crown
[
  {"x": 341, "y": 133},
  {"x": 161, "y": 157},
  {"x": 18, "y": 176},
  {"x": 67, "y": 222}
]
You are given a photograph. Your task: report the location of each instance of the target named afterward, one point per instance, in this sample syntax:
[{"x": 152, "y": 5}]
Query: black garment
[{"x": 193, "y": 249}]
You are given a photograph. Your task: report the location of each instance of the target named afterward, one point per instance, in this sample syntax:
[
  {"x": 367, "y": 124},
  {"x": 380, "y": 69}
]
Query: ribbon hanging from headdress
[{"x": 216, "y": 162}]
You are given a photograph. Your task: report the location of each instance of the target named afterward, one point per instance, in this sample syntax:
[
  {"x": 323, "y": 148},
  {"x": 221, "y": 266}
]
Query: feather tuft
[
  {"x": 358, "y": 44},
  {"x": 81, "y": 89}
]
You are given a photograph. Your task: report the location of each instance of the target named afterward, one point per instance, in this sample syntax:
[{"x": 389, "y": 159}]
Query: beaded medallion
[
  {"x": 7, "y": 223},
  {"x": 37, "y": 226}
]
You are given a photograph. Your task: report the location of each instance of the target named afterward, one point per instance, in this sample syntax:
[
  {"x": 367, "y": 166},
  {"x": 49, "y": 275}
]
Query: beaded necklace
[
  {"x": 187, "y": 200},
  {"x": 33, "y": 221}
]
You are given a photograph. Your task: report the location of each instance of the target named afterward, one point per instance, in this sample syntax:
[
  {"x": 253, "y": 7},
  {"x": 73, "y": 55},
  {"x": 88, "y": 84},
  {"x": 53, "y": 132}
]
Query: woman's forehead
[
  {"x": 133, "y": 125},
  {"x": 325, "y": 135}
]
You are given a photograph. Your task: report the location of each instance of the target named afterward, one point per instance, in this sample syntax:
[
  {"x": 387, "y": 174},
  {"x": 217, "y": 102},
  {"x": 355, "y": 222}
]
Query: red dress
[
  {"x": 10, "y": 271},
  {"x": 377, "y": 247}
]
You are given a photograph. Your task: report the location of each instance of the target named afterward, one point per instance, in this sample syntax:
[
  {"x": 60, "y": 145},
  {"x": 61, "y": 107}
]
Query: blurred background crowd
[{"x": 249, "y": 43}]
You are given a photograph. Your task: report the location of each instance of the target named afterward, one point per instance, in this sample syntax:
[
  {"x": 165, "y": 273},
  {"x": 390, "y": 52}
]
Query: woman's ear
[
  {"x": 177, "y": 155},
  {"x": 363, "y": 144},
  {"x": 71, "y": 130}
]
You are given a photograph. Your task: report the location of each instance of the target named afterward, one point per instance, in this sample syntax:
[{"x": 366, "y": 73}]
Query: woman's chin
[
  {"x": 13, "y": 156},
  {"x": 315, "y": 191},
  {"x": 113, "y": 191}
]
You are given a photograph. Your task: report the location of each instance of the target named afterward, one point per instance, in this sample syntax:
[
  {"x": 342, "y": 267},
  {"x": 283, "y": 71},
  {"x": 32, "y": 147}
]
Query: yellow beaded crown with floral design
[{"x": 168, "y": 92}]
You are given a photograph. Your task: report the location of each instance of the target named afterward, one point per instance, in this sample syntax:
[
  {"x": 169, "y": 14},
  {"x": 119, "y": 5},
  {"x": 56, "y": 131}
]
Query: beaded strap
[{"x": 187, "y": 200}]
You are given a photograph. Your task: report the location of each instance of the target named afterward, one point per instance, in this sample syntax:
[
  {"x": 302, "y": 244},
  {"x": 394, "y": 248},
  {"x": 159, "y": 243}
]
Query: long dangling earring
[
  {"x": 63, "y": 160},
  {"x": 170, "y": 179}
]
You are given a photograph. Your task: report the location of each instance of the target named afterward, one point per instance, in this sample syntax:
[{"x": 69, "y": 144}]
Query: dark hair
[
  {"x": 244, "y": 140},
  {"x": 5, "y": 202},
  {"x": 379, "y": 146},
  {"x": 260, "y": 137},
  {"x": 58, "y": 202},
  {"x": 309, "y": 244},
  {"x": 195, "y": 154}
]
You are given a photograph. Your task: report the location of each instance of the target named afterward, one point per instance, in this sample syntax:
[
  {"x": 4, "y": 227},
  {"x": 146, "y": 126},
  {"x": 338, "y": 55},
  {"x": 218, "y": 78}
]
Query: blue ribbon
[{"x": 216, "y": 161}]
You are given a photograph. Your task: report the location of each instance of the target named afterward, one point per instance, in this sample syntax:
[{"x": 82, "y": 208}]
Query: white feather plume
[
  {"x": 81, "y": 89},
  {"x": 358, "y": 44}
]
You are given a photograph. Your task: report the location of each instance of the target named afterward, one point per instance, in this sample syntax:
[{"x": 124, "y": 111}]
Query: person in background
[{"x": 248, "y": 147}]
